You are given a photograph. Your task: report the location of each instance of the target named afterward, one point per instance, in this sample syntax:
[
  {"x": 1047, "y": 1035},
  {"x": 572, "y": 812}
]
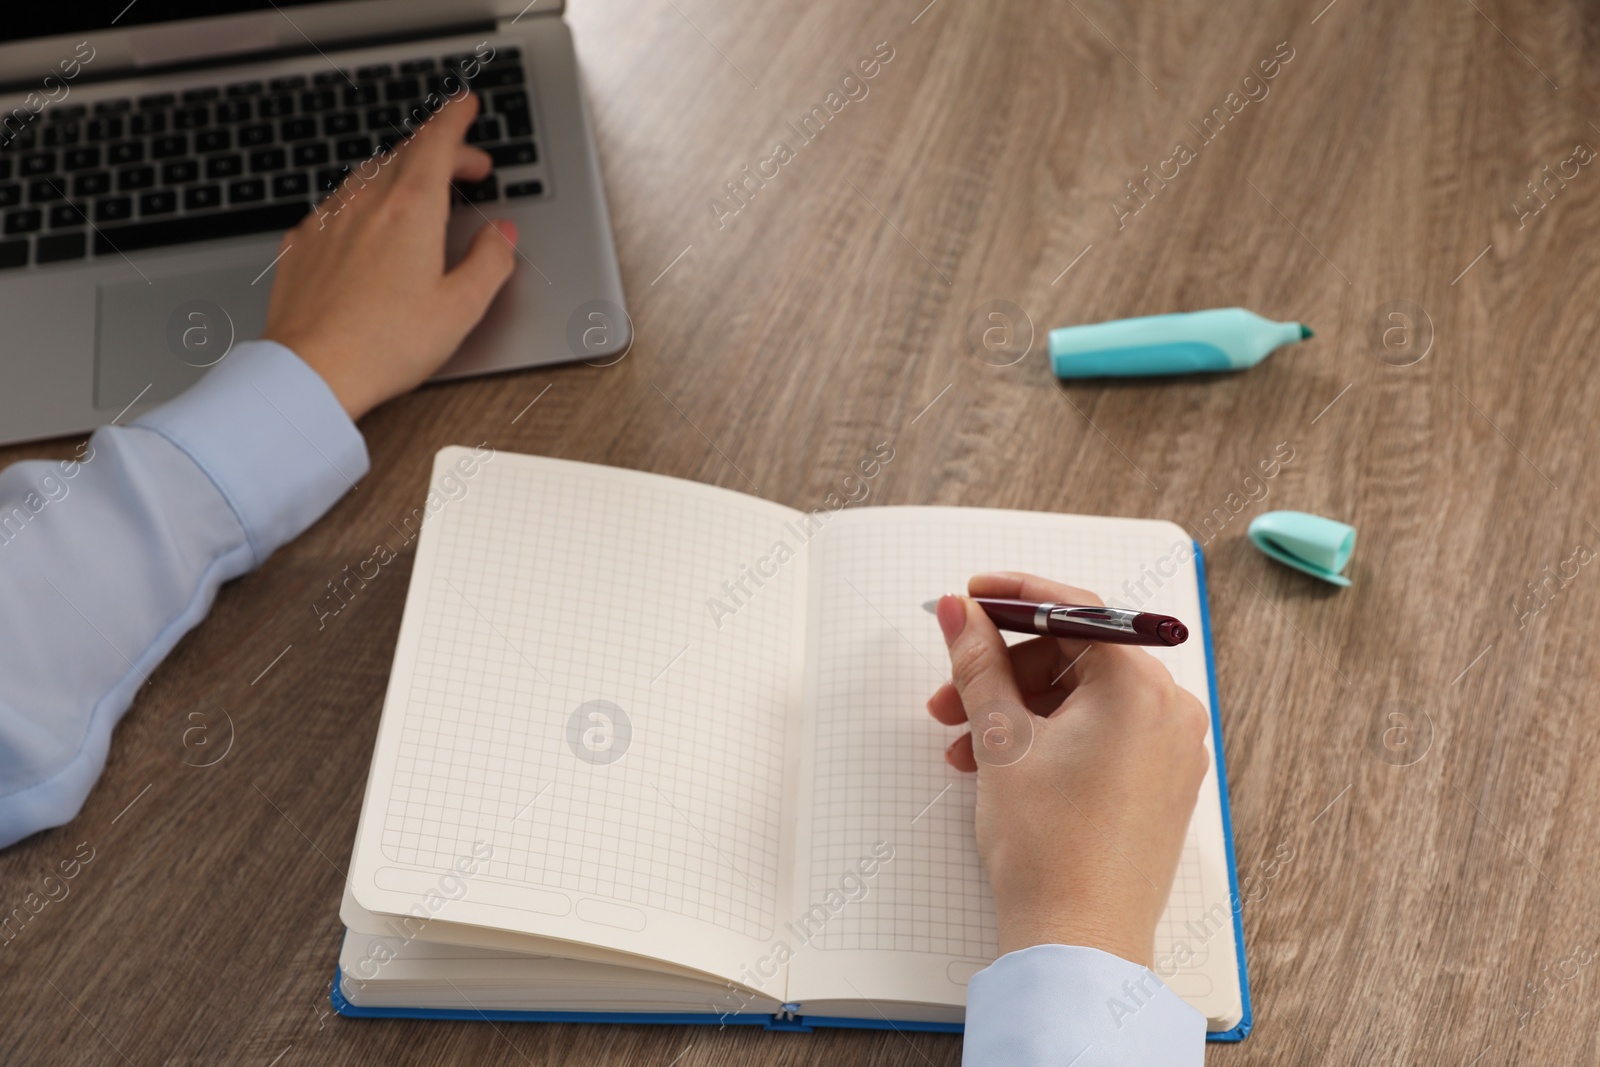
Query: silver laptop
[{"x": 151, "y": 159}]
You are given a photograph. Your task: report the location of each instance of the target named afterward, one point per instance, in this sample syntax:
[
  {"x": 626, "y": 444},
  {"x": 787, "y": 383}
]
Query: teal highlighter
[{"x": 1221, "y": 339}]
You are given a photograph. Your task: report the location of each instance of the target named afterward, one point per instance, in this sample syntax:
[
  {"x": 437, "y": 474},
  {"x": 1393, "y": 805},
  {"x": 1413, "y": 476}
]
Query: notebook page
[
  {"x": 571, "y": 746},
  {"x": 873, "y": 772}
]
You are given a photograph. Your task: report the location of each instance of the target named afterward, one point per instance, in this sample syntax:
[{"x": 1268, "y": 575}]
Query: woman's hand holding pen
[{"x": 1089, "y": 760}]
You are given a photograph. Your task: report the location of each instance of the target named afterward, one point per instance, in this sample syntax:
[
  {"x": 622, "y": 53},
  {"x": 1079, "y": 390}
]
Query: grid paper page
[
  {"x": 874, "y": 768},
  {"x": 656, "y": 829}
]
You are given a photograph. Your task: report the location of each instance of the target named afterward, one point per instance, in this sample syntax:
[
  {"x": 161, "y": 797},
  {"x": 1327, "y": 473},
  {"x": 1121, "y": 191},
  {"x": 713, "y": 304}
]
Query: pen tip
[
  {"x": 1305, "y": 332},
  {"x": 931, "y": 606}
]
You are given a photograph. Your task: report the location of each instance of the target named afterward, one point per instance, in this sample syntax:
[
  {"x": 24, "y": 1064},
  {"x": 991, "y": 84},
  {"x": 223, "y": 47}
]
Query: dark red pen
[{"x": 1117, "y": 626}]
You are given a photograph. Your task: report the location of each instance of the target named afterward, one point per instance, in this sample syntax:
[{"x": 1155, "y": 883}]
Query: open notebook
[{"x": 654, "y": 750}]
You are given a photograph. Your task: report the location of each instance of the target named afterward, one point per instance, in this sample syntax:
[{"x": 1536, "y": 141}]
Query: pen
[{"x": 1117, "y": 626}]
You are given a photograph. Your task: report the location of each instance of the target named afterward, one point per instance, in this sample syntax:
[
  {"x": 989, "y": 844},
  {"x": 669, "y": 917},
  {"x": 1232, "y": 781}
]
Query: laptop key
[
  {"x": 310, "y": 154},
  {"x": 10, "y": 195},
  {"x": 275, "y": 107},
  {"x": 66, "y": 215},
  {"x": 360, "y": 95},
  {"x": 510, "y": 100},
  {"x": 146, "y": 123},
  {"x": 36, "y": 164},
  {"x": 514, "y": 155},
  {"x": 191, "y": 118},
  {"x": 328, "y": 178},
  {"x": 113, "y": 208},
  {"x": 213, "y": 140},
  {"x": 375, "y": 72},
  {"x": 383, "y": 118},
  {"x": 200, "y": 197},
  {"x": 244, "y": 89},
  {"x": 125, "y": 152},
  {"x": 91, "y": 184},
  {"x": 61, "y": 246},
  {"x": 317, "y": 100},
  {"x": 478, "y": 192},
  {"x": 329, "y": 77},
  {"x": 180, "y": 172},
  {"x": 268, "y": 159},
  {"x": 417, "y": 66},
  {"x": 251, "y": 136},
  {"x": 247, "y": 191},
  {"x": 287, "y": 83},
  {"x": 402, "y": 91},
  {"x": 201, "y": 95},
  {"x": 25, "y": 221},
  {"x": 340, "y": 123},
  {"x": 113, "y": 107},
  {"x": 296, "y": 184},
  {"x": 80, "y": 158},
  {"x": 228, "y": 166},
  {"x": 493, "y": 77},
  {"x": 5, "y": 167},
  {"x": 530, "y": 188},
  {"x": 297, "y": 129},
  {"x": 484, "y": 129},
  {"x": 13, "y": 253},
  {"x": 104, "y": 129},
  {"x": 135, "y": 178},
  {"x": 61, "y": 134},
  {"x": 160, "y": 202},
  {"x": 44, "y": 190},
  {"x": 62, "y": 112},
  {"x": 353, "y": 148},
  {"x": 176, "y": 144},
  {"x": 233, "y": 111},
  {"x": 268, "y": 218},
  {"x": 156, "y": 101}
]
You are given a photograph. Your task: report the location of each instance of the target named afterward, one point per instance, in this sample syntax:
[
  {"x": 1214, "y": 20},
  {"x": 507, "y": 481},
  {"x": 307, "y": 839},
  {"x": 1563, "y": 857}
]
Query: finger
[
  {"x": 472, "y": 164},
  {"x": 1016, "y": 585},
  {"x": 959, "y": 754},
  {"x": 430, "y": 154},
  {"x": 1041, "y": 664},
  {"x": 473, "y": 283},
  {"x": 945, "y": 705},
  {"x": 980, "y": 662}
]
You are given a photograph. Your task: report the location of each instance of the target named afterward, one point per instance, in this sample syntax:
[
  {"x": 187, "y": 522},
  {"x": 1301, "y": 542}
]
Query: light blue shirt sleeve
[
  {"x": 1066, "y": 1006},
  {"x": 106, "y": 560}
]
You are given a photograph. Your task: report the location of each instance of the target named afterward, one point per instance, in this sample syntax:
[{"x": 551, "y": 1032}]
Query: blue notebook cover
[{"x": 788, "y": 1020}]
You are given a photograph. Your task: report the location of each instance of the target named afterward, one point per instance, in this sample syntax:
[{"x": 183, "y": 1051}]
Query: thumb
[
  {"x": 473, "y": 283},
  {"x": 1002, "y": 726}
]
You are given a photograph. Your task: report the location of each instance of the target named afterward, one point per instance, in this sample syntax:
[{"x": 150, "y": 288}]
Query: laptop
[{"x": 151, "y": 159}]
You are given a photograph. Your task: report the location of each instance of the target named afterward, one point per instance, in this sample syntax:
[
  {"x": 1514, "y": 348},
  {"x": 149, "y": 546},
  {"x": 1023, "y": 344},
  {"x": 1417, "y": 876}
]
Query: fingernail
[
  {"x": 507, "y": 228},
  {"x": 952, "y": 615}
]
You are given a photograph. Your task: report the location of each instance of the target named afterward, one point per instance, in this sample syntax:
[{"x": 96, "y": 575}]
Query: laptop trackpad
[{"x": 159, "y": 337}]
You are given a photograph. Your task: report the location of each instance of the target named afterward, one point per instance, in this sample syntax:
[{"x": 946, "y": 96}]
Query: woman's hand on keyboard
[{"x": 362, "y": 294}]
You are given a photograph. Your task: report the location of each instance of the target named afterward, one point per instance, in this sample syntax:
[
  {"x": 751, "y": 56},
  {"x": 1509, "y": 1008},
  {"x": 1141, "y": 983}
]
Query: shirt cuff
[
  {"x": 1050, "y": 1003},
  {"x": 267, "y": 430}
]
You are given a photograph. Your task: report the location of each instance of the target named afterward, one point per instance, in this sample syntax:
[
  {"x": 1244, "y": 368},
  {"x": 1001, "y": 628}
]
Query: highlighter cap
[{"x": 1310, "y": 543}]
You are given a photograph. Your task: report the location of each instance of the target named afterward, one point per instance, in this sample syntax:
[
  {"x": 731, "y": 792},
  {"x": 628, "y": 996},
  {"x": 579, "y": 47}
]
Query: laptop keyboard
[{"x": 243, "y": 158}]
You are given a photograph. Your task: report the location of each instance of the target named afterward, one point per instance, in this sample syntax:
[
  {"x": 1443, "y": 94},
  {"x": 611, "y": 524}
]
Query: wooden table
[{"x": 1422, "y": 743}]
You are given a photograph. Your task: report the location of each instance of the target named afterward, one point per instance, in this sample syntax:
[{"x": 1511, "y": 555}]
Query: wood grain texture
[{"x": 832, "y": 313}]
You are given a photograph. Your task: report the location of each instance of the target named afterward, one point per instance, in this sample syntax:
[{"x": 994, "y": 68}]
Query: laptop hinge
[{"x": 90, "y": 75}]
